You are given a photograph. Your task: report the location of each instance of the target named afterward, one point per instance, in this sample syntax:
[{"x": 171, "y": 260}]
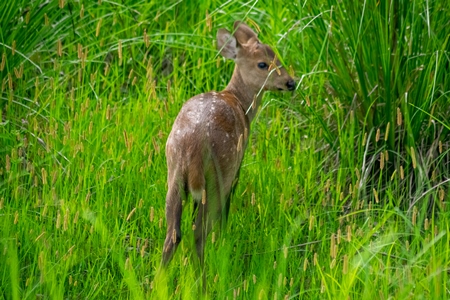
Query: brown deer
[{"x": 206, "y": 145}]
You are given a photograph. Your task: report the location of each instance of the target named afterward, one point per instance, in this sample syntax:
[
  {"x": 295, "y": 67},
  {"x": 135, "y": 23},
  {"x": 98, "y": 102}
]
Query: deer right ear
[
  {"x": 226, "y": 44},
  {"x": 244, "y": 34}
]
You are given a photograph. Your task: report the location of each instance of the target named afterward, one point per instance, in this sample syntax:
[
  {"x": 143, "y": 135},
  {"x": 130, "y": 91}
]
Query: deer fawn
[{"x": 206, "y": 145}]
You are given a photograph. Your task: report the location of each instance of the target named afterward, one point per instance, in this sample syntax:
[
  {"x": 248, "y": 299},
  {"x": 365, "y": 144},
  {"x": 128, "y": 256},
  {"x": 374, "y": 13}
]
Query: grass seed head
[
  {"x": 8, "y": 163},
  {"x": 10, "y": 81},
  {"x": 345, "y": 264},
  {"x": 99, "y": 25},
  {"x": 59, "y": 48},
  {"x": 174, "y": 236},
  {"x": 375, "y": 194},
  {"x": 333, "y": 263},
  {"x": 16, "y": 217},
  {"x": 66, "y": 220},
  {"x": 2, "y": 64},
  {"x": 131, "y": 214},
  {"x": 127, "y": 264},
  {"x": 441, "y": 194},
  {"x": 13, "y": 48},
  {"x": 399, "y": 117},
  {"x": 58, "y": 220},
  {"x": 88, "y": 196},
  {"x": 349, "y": 233},
  {"x": 44, "y": 176},
  {"x": 285, "y": 251},
  {"x": 414, "y": 216},
  {"x": 208, "y": 21},
  {"x": 381, "y": 160},
  {"x": 280, "y": 279},
  {"x": 386, "y": 134},
  {"x": 77, "y": 215},
  {"x": 146, "y": 39},
  {"x": 311, "y": 222},
  {"x": 204, "y": 197},
  {"x": 152, "y": 214},
  {"x": 413, "y": 157},
  {"x": 332, "y": 245}
]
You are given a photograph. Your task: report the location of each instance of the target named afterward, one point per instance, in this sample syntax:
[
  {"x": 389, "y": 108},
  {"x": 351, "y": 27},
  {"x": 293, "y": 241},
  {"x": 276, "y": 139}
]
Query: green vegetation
[{"x": 344, "y": 189}]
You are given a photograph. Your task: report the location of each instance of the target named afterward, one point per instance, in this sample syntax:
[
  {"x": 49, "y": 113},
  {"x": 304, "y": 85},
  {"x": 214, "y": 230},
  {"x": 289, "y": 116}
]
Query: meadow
[{"x": 344, "y": 188}]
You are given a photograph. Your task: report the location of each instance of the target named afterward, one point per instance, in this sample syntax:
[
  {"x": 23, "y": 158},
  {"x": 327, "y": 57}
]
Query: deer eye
[{"x": 262, "y": 65}]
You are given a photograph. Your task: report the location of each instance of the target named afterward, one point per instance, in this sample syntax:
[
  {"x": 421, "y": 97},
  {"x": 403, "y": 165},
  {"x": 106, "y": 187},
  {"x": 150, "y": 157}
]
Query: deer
[{"x": 206, "y": 145}]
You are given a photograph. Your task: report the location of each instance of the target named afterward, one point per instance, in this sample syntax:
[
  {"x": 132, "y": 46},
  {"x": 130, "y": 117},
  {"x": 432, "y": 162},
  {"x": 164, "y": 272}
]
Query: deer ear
[
  {"x": 244, "y": 34},
  {"x": 226, "y": 44}
]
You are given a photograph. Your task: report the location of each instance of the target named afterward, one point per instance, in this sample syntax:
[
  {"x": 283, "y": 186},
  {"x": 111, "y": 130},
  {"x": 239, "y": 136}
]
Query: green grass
[{"x": 332, "y": 202}]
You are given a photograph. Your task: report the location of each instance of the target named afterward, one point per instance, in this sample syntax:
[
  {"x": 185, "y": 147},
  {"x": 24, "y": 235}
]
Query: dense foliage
[{"x": 344, "y": 189}]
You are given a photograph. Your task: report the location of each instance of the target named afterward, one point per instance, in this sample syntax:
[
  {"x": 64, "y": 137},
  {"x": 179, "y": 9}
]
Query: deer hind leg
[
  {"x": 174, "y": 198},
  {"x": 229, "y": 194},
  {"x": 211, "y": 206}
]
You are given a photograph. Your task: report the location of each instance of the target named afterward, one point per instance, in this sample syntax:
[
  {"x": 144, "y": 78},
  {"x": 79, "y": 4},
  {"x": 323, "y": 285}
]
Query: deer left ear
[{"x": 226, "y": 44}]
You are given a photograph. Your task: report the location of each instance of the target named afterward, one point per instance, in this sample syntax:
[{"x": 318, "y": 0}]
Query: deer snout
[{"x": 291, "y": 84}]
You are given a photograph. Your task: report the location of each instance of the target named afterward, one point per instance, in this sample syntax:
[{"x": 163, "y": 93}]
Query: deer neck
[{"x": 245, "y": 94}]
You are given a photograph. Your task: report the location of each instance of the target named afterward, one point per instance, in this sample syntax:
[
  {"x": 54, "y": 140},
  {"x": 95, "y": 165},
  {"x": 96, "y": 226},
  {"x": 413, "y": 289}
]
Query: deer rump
[{"x": 204, "y": 153}]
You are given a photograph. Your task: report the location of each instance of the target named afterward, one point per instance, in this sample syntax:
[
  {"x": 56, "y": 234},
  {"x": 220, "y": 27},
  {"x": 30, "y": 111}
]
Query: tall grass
[{"x": 344, "y": 187}]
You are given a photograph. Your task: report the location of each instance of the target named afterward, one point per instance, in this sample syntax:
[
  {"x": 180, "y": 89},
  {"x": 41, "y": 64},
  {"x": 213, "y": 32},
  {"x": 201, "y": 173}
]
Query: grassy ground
[{"x": 344, "y": 189}]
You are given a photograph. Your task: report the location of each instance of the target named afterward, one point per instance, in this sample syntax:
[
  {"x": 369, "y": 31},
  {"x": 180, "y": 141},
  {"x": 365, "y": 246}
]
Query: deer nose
[{"x": 291, "y": 85}]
